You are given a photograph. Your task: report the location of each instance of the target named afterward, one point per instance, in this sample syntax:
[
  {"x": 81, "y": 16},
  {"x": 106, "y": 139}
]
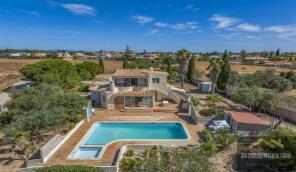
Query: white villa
[{"x": 133, "y": 89}]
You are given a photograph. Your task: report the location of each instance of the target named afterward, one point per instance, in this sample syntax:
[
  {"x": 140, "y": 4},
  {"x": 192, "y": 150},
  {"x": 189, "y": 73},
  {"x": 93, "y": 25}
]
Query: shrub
[
  {"x": 129, "y": 153},
  {"x": 74, "y": 168},
  {"x": 53, "y": 71},
  {"x": 5, "y": 118},
  {"x": 84, "y": 88},
  {"x": 208, "y": 112},
  {"x": 126, "y": 164},
  {"x": 194, "y": 101},
  {"x": 88, "y": 70}
]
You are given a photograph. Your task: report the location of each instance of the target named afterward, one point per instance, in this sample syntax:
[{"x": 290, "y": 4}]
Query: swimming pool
[{"x": 104, "y": 133}]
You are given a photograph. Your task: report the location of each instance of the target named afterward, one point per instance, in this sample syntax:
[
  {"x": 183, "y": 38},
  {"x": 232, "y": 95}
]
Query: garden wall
[
  {"x": 55, "y": 143},
  {"x": 287, "y": 113}
]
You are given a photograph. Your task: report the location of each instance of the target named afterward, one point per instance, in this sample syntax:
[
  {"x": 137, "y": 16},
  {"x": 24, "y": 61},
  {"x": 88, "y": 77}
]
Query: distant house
[
  {"x": 63, "y": 55},
  {"x": 15, "y": 55},
  {"x": 40, "y": 55},
  {"x": 246, "y": 123},
  {"x": 255, "y": 60},
  {"x": 277, "y": 63},
  {"x": 4, "y": 98}
]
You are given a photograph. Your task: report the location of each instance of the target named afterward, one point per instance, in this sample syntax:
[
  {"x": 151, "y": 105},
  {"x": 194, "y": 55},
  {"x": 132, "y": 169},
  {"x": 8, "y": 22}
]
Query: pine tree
[
  {"x": 126, "y": 57},
  {"x": 191, "y": 72},
  {"x": 277, "y": 53},
  {"x": 224, "y": 75}
]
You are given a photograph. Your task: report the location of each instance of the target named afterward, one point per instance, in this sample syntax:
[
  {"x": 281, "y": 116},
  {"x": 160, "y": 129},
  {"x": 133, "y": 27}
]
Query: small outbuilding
[
  {"x": 205, "y": 86},
  {"x": 4, "y": 98},
  {"x": 246, "y": 123}
]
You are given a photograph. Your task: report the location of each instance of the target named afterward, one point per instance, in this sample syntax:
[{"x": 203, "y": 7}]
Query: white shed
[
  {"x": 205, "y": 87},
  {"x": 4, "y": 98}
]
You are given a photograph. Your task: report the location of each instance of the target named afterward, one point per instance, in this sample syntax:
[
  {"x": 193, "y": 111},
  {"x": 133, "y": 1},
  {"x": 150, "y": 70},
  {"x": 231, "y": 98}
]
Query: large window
[
  {"x": 122, "y": 82},
  {"x": 138, "y": 101},
  {"x": 155, "y": 80}
]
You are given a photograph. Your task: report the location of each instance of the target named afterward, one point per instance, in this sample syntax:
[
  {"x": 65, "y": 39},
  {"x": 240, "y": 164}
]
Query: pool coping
[{"x": 104, "y": 147}]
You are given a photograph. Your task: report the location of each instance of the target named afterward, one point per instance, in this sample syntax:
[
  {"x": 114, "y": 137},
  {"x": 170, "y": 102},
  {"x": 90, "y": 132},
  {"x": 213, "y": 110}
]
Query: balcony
[{"x": 131, "y": 88}]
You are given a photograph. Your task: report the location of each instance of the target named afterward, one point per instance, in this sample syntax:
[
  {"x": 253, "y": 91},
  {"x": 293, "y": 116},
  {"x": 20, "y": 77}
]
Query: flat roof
[
  {"x": 137, "y": 72},
  {"x": 248, "y": 118}
]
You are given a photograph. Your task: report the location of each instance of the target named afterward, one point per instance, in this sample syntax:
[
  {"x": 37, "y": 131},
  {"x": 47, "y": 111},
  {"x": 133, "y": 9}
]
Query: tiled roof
[
  {"x": 137, "y": 72},
  {"x": 248, "y": 118},
  {"x": 135, "y": 93}
]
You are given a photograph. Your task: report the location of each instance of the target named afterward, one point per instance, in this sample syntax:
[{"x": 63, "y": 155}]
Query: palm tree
[
  {"x": 214, "y": 68},
  {"x": 183, "y": 58}
]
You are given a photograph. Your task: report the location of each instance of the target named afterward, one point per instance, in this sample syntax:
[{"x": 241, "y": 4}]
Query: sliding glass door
[{"x": 138, "y": 101}]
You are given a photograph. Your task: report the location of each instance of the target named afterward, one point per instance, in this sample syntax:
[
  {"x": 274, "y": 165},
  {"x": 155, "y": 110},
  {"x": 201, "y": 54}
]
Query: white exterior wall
[{"x": 162, "y": 80}]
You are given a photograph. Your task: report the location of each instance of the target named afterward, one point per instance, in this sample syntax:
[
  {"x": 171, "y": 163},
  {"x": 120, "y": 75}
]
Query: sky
[{"x": 152, "y": 25}]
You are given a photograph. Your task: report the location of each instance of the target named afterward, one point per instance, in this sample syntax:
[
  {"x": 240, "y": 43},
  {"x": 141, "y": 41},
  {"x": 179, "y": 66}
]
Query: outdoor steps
[{"x": 136, "y": 110}]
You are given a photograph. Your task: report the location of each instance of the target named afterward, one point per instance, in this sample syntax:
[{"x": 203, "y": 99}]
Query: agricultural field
[
  {"x": 9, "y": 69},
  {"x": 202, "y": 66}
]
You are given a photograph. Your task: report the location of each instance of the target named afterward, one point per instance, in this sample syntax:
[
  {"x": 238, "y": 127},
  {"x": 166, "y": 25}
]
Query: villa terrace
[{"x": 110, "y": 155}]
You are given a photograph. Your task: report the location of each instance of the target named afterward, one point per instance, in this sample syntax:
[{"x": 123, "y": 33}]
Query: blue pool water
[
  {"x": 104, "y": 132},
  {"x": 87, "y": 152}
]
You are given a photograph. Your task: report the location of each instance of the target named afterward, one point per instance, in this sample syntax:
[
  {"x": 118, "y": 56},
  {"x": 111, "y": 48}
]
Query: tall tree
[
  {"x": 101, "y": 64},
  {"x": 191, "y": 72},
  {"x": 243, "y": 54},
  {"x": 183, "y": 57},
  {"x": 277, "y": 53},
  {"x": 126, "y": 57},
  {"x": 224, "y": 75},
  {"x": 214, "y": 68}
]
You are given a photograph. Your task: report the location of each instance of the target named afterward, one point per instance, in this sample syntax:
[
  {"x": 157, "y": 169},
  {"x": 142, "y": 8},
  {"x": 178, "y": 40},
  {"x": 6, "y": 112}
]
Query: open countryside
[{"x": 142, "y": 86}]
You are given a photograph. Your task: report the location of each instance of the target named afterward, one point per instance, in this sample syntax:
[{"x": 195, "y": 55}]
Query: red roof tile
[{"x": 248, "y": 118}]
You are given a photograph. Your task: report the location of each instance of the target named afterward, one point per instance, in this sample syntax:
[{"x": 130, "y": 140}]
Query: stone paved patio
[{"x": 109, "y": 156}]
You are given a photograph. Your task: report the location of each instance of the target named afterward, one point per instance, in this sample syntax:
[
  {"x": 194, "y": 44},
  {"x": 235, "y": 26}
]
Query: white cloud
[
  {"x": 281, "y": 28},
  {"x": 80, "y": 9},
  {"x": 249, "y": 27},
  {"x": 178, "y": 26},
  {"x": 141, "y": 20},
  {"x": 35, "y": 13},
  {"x": 161, "y": 24},
  {"x": 283, "y": 31},
  {"x": 154, "y": 31},
  {"x": 186, "y": 25},
  {"x": 223, "y": 21},
  {"x": 191, "y": 7}
]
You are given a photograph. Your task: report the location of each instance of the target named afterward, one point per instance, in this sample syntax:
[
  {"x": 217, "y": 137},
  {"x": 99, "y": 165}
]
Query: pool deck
[{"x": 109, "y": 156}]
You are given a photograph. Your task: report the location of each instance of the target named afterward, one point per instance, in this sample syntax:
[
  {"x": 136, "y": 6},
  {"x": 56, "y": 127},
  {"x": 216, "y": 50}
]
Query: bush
[
  {"x": 129, "y": 153},
  {"x": 74, "y": 168},
  {"x": 42, "y": 108},
  {"x": 126, "y": 164},
  {"x": 88, "y": 70},
  {"x": 268, "y": 79},
  {"x": 194, "y": 101},
  {"x": 53, "y": 71},
  {"x": 5, "y": 118},
  {"x": 84, "y": 88},
  {"x": 208, "y": 112}
]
